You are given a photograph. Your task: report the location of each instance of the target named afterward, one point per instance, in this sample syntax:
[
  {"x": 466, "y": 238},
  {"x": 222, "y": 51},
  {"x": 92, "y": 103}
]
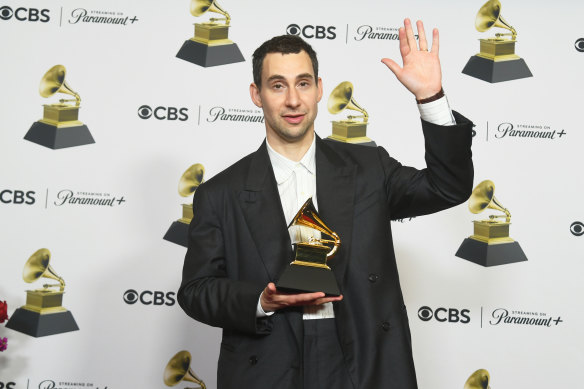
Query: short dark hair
[{"x": 285, "y": 44}]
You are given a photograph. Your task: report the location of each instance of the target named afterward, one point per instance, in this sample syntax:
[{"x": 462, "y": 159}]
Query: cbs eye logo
[
  {"x": 451, "y": 315},
  {"x": 25, "y": 14},
  {"x": 579, "y": 45},
  {"x": 149, "y": 297},
  {"x": 310, "y": 31},
  {"x": 577, "y": 228},
  {"x": 163, "y": 113}
]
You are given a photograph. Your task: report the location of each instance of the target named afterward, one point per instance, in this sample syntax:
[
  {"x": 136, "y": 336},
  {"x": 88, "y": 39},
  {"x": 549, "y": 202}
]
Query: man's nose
[{"x": 292, "y": 98}]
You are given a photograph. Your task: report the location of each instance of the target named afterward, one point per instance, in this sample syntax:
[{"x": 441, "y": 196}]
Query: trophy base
[
  {"x": 487, "y": 255},
  {"x": 178, "y": 233},
  {"x": 496, "y": 71},
  {"x": 55, "y": 137},
  {"x": 37, "y": 325},
  {"x": 207, "y": 56},
  {"x": 360, "y": 142},
  {"x": 308, "y": 279}
]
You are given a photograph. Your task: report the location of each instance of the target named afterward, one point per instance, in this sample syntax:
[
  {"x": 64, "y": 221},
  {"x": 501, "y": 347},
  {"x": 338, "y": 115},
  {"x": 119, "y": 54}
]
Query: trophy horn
[
  {"x": 490, "y": 16},
  {"x": 38, "y": 266},
  {"x": 54, "y": 82},
  {"x": 478, "y": 380},
  {"x": 179, "y": 369},
  {"x": 199, "y": 7},
  {"x": 341, "y": 98},
  {"x": 483, "y": 196},
  {"x": 191, "y": 179},
  {"x": 307, "y": 216}
]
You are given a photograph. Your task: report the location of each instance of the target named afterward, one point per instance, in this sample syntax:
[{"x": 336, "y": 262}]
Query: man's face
[{"x": 289, "y": 96}]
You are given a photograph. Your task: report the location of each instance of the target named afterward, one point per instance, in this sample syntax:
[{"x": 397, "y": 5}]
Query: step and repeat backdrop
[{"x": 115, "y": 111}]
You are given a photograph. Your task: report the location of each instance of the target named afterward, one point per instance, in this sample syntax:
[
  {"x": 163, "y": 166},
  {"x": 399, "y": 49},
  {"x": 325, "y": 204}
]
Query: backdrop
[{"x": 102, "y": 208}]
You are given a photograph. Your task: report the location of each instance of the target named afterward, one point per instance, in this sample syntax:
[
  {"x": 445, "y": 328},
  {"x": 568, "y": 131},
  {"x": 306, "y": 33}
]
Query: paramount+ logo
[
  {"x": 309, "y": 31},
  {"x": 450, "y": 315},
  {"x": 149, "y": 297},
  {"x": 25, "y": 14},
  {"x": 163, "y": 113}
]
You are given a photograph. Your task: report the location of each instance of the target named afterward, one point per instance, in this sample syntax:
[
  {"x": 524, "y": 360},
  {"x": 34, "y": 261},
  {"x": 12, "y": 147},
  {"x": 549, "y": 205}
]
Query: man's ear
[
  {"x": 254, "y": 92},
  {"x": 319, "y": 89}
]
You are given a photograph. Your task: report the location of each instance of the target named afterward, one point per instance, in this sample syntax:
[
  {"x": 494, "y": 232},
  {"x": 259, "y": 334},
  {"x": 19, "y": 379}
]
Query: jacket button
[
  {"x": 385, "y": 326},
  {"x": 373, "y": 277},
  {"x": 253, "y": 360}
]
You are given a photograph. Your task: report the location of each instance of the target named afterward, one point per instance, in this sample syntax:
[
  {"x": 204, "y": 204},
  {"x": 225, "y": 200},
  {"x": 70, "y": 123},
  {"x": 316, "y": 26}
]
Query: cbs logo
[
  {"x": 579, "y": 44},
  {"x": 8, "y": 196},
  {"x": 451, "y": 315},
  {"x": 577, "y": 228},
  {"x": 309, "y": 31},
  {"x": 149, "y": 297},
  {"x": 24, "y": 14},
  {"x": 7, "y": 385},
  {"x": 163, "y": 113}
]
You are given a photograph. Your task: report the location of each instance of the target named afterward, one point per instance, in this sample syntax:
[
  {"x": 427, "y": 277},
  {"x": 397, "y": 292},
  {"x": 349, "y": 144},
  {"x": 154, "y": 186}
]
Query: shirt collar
[{"x": 284, "y": 167}]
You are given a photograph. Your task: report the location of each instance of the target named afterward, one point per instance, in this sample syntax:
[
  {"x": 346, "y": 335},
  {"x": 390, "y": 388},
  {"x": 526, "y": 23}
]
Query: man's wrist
[{"x": 434, "y": 97}]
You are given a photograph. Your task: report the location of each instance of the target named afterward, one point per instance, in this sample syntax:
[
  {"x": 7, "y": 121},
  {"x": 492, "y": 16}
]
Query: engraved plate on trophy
[
  {"x": 309, "y": 272},
  {"x": 210, "y": 46}
]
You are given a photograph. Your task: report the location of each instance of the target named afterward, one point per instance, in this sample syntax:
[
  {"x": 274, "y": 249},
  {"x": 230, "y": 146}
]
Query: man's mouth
[{"x": 293, "y": 118}]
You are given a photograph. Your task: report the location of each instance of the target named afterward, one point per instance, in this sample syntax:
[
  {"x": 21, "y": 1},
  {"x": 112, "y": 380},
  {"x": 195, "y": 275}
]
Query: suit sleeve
[
  {"x": 207, "y": 293},
  {"x": 445, "y": 182}
]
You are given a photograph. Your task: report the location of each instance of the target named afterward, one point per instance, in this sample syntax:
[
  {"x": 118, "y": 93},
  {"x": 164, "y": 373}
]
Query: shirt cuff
[
  {"x": 437, "y": 112},
  {"x": 260, "y": 311}
]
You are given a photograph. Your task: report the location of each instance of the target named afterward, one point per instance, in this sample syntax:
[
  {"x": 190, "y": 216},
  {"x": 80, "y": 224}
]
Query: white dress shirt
[{"x": 297, "y": 182}]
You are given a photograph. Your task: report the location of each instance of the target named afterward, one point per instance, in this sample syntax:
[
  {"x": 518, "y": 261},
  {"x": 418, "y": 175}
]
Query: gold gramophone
[
  {"x": 349, "y": 130},
  {"x": 497, "y": 60},
  {"x": 43, "y": 314},
  {"x": 490, "y": 245},
  {"x": 309, "y": 271},
  {"x": 210, "y": 46},
  {"x": 187, "y": 185},
  {"x": 478, "y": 380},
  {"x": 178, "y": 369},
  {"x": 59, "y": 127}
]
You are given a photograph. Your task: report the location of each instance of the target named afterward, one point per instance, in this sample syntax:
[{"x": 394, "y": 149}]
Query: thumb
[{"x": 392, "y": 65}]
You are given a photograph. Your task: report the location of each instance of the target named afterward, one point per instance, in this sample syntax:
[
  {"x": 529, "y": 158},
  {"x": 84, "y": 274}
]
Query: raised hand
[
  {"x": 421, "y": 73},
  {"x": 272, "y": 300}
]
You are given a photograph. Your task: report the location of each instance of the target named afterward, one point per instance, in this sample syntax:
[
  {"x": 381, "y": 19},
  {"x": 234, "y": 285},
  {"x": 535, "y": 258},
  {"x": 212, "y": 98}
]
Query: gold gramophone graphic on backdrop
[
  {"x": 309, "y": 271},
  {"x": 349, "y": 130},
  {"x": 43, "y": 314},
  {"x": 59, "y": 128},
  {"x": 187, "y": 185},
  {"x": 490, "y": 245},
  {"x": 478, "y": 380},
  {"x": 497, "y": 60},
  {"x": 210, "y": 46},
  {"x": 178, "y": 369}
]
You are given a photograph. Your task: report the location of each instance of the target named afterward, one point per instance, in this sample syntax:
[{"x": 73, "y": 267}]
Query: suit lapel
[
  {"x": 335, "y": 181},
  {"x": 263, "y": 212}
]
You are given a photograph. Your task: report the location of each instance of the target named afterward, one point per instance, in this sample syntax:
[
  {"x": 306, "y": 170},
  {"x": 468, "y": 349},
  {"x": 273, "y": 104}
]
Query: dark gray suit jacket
[{"x": 238, "y": 242}]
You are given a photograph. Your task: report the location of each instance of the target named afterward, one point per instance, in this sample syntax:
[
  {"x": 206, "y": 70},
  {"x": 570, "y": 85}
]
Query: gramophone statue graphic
[
  {"x": 178, "y": 369},
  {"x": 43, "y": 314},
  {"x": 478, "y": 380},
  {"x": 59, "y": 128},
  {"x": 349, "y": 130},
  {"x": 490, "y": 245},
  {"x": 187, "y": 185},
  {"x": 210, "y": 46},
  {"x": 497, "y": 60},
  {"x": 309, "y": 271}
]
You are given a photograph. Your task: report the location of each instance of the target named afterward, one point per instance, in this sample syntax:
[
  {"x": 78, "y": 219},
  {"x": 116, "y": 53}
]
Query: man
[{"x": 239, "y": 244}]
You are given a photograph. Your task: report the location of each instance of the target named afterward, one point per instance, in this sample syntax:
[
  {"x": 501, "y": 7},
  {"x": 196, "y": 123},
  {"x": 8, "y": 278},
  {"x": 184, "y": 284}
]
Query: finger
[
  {"x": 393, "y": 66},
  {"x": 435, "y": 40},
  {"x": 328, "y": 300},
  {"x": 410, "y": 34},
  {"x": 404, "y": 49},
  {"x": 422, "y": 36},
  {"x": 270, "y": 289}
]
